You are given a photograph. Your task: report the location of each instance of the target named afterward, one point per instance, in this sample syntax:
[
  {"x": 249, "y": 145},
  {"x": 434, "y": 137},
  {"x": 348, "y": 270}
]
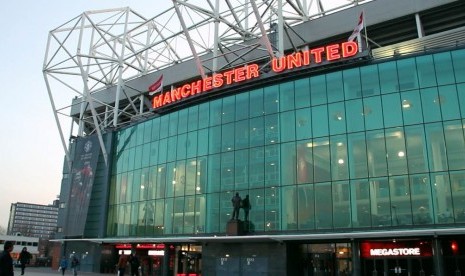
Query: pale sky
[{"x": 31, "y": 154}]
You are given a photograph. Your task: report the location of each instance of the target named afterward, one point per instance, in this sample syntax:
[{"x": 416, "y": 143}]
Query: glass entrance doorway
[
  {"x": 328, "y": 259},
  {"x": 396, "y": 267}
]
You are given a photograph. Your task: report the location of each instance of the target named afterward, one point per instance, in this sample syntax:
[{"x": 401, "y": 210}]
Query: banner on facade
[{"x": 82, "y": 179}]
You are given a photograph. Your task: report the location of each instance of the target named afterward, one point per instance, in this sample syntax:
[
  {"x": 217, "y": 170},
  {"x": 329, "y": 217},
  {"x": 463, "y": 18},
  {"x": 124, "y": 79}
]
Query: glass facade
[{"x": 376, "y": 146}]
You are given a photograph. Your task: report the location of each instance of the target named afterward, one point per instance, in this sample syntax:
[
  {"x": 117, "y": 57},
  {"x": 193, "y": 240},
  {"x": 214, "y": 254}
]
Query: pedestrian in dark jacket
[
  {"x": 6, "y": 262},
  {"x": 24, "y": 258},
  {"x": 63, "y": 265}
]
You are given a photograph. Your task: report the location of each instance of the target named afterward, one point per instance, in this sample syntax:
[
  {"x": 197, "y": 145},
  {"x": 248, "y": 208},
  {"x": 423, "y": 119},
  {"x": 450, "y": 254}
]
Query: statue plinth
[{"x": 235, "y": 228}]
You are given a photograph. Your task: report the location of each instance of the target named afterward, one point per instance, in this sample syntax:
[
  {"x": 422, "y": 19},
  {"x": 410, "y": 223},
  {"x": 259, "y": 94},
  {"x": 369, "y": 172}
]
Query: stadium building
[{"x": 344, "y": 125}]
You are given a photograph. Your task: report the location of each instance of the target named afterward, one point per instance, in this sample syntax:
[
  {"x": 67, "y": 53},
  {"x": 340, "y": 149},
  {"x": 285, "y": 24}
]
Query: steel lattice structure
[{"x": 104, "y": 49}]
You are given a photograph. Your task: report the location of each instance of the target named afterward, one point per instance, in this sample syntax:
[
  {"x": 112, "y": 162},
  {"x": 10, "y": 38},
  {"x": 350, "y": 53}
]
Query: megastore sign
[{"x": 311, "y": 57}]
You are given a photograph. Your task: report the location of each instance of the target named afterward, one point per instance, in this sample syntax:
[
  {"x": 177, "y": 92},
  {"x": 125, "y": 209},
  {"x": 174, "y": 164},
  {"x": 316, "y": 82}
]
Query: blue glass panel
[
  {"x": 461, "y": 93},
  {"x": 204, "y": 115},
  {"x": 337, "y": 118},
  {"x": 173, "y": 124},
  {"x": 213, "y": 213},
  {"x": 436, "y": 147},
  {"x": 193, "y": 118},
  {"x": 256, "y": 107},
  {"x": 416, "y": 149},
  {"x": 392, "y": 110},
  {"x": 431, "y": 103},
  {"x": 164, "y": 124},
  {"x": 214, "y": 173},
  {"x": 455, "y": 144},
  {"x": 179, "y": 179},
  {"x": 339, "y": 159},
  {"x": 181, "y": 149},
  {"x": 458, "y": 58},
  {"x": 242, "y": 106},
  {"x": 444, "y": 69},
  {"x": 401, "y": 208},
  {"x": 156, "y": 129},
  {"x": 318, "y": 90},
  {"x": 287, "y": 126},
  {"x": 396, "y": 152},
  {"x": 272, "y": 159},
  {"x": 229, "y": 109},
  {"x": 443, "y": 202},
  {"x": 323, "y": 206},
  {"x": 388, "y": 77},
  {"x": 172, "y": 144},
  {"x": 306, "y": 207},
  {"x": 335, "y": 87},
  {"x": 288, "y": 158},
  {"x": 360, "y": 203},
  {"x": 168, "y": 218},
  {"x": 449, "y": 102},
  {"x": 320, "y": 121},
  {"x": 303, "y": 124},
  {"x": 161, "y": 181},
  {"x": 422, "y": 208},
  {"x": 191, "y": 144},
  {"x": 376, "y": 149},
  {"x": 286, "y": 96},
  {"x": 352, "y": 85},
  {"x": 289, "y": 197},
  {"x": 257, "y": 132},
  {"x": 302, "y": 93},
  {"x": 241, "y": 169},
  {"x": 322, "y": 160},
  {"x": 411, "y": 107},
  {"x": 182, "y": 121},
  {"x": 370, "y": 80},
  {"x": 170, "y": 179},
  {"x": 241, "y": 133},
  {"x": 354, "y": 113},
  {"x": 341, "y": 205},
  {"x": 373, "y": 113},
  {"x": 381, "y": 213},
  {"x": 256, "y": 167},
  {"x": 356, "y": 148},
  {"x": 457, "y": 180},
  {"x": 214, "y": 138},
  {"x": 227, "y": 132},
  {"x": 148, "y": 131},
  {"x": 426, "y": 72},
  {"x": 215, "y": 112},
  {"x": 407, "y": 72},
  {"x": 227, "y": 171},
  {"x": 304, "y": 162},
  {"x": 162, "y": 151},
  {"x": 271, "y": 99},
  {"x": 203, "y": 142},
  {"x": 272, "y": 128}
]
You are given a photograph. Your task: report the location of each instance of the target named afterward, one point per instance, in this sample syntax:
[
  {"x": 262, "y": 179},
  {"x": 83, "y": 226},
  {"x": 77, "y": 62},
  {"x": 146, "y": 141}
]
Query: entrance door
[{"x": 397, "y": 267}]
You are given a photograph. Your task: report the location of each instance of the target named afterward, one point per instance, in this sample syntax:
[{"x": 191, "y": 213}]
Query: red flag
[
  {"x": 358, "y": 28},
  {"x": 156, "y": 86}
]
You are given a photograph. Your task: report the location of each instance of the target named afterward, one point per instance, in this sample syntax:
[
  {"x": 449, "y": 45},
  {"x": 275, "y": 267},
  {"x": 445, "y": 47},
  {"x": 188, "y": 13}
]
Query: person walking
[
  {"x": 122, "y": 263},
  {"x": 134, "y": 261},
  {"x": 24, "y": 258},
  {"x": 6, "y": 262},
  {"x": 236, "y": 203},
  {"x": 74, "y": 264},
  {"x": 63, "y": 265}
]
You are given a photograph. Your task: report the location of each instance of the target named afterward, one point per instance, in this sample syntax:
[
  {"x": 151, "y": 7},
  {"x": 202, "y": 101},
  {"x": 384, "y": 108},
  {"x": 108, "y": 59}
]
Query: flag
[
  {"x": 358, "y": 29},
  {"x": 156, "y": 86}
]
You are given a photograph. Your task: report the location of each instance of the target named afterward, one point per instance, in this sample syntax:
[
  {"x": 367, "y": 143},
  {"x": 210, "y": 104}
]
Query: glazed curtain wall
[{"x": 371, "y": 147}]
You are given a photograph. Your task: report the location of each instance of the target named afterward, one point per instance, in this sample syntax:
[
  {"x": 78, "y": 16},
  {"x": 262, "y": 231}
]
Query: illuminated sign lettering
[
  {"x": 395, "y": 252},
  {"x": 316, "y": 56}
]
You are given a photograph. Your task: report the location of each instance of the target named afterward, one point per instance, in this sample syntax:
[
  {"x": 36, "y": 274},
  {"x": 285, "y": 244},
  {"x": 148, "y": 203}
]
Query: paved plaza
[{"x": 47, "y": 271}]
